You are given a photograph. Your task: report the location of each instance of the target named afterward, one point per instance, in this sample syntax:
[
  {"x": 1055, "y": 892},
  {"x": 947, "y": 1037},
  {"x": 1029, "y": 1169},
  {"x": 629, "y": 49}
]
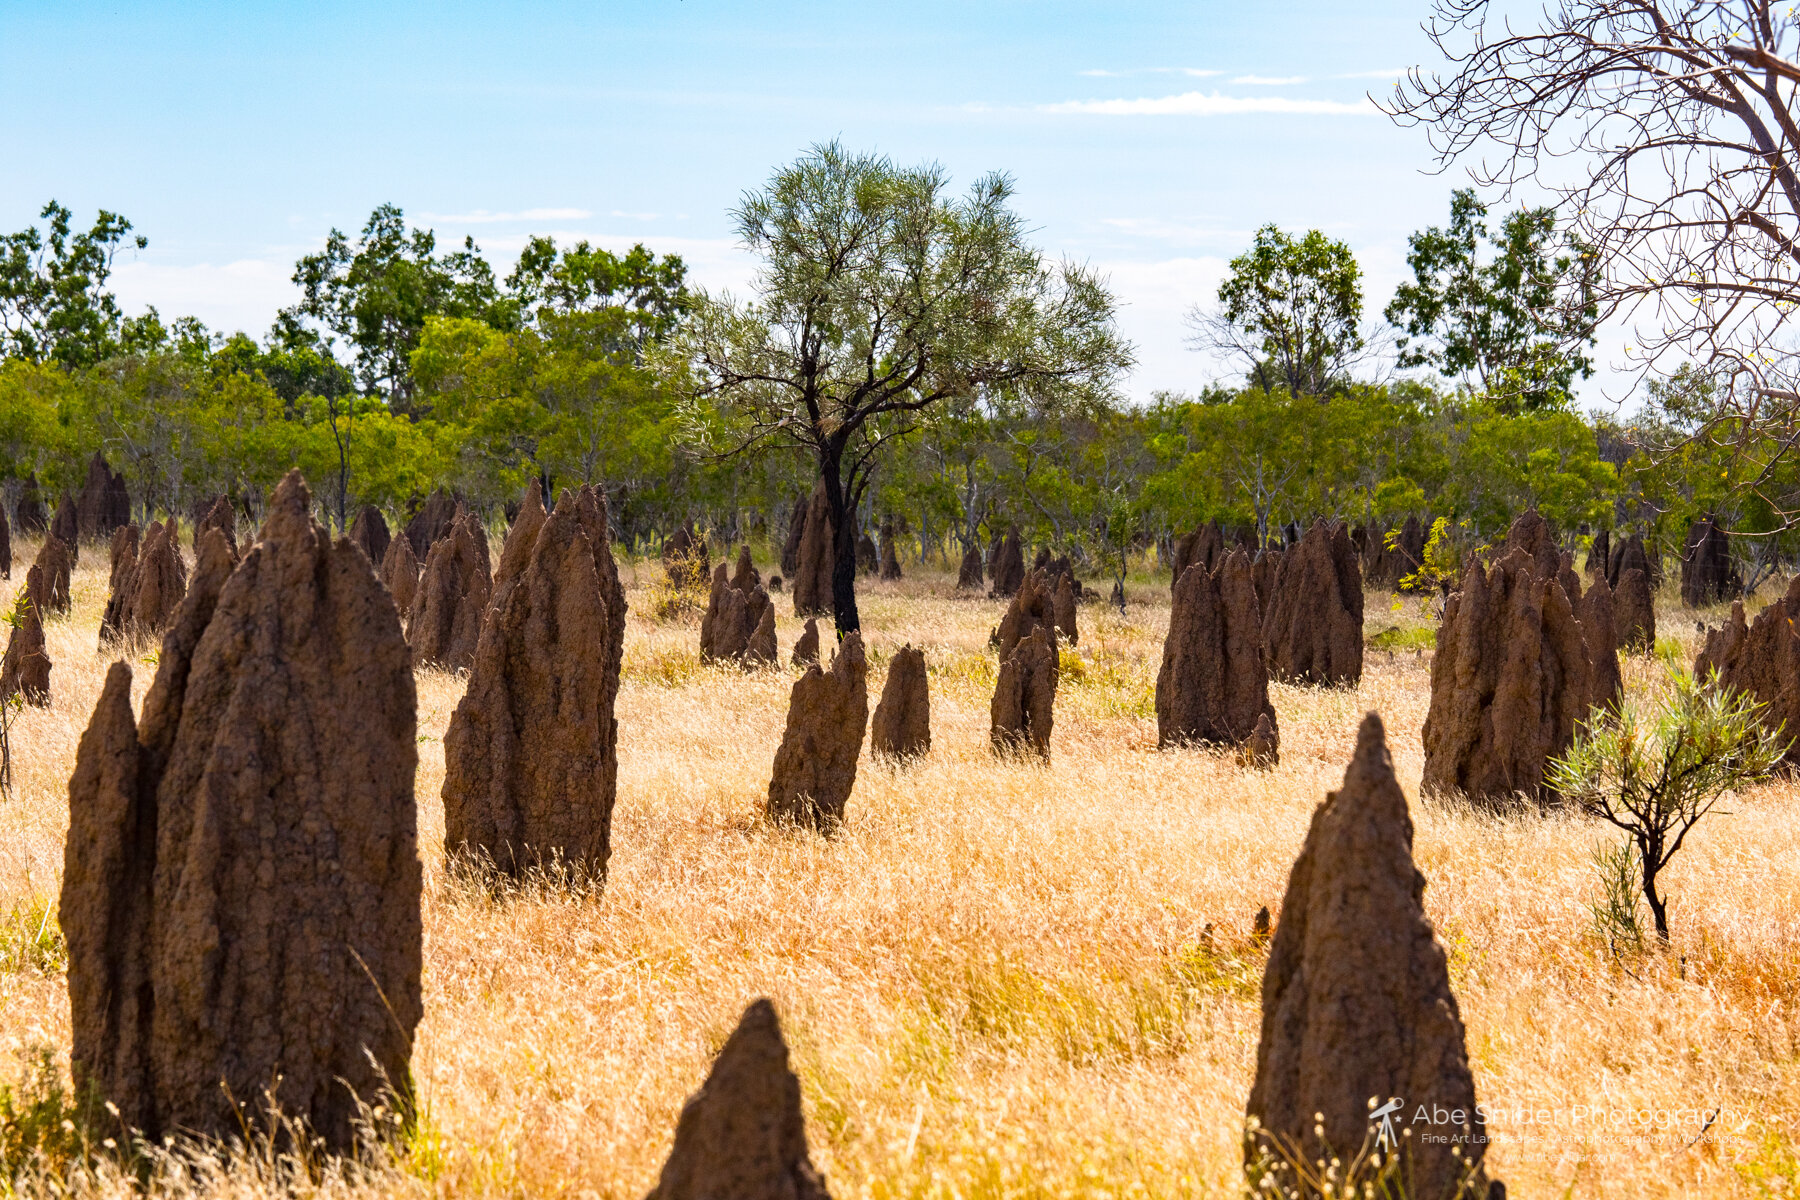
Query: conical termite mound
[
  {"x": 815, "y": 765},
  {"x": 452, "y": 598},
  {"x": 531, "y": 756},
  {"x": 742, "y": 1135},
  {"x": 241, "y": 883},
  {"x": 902, "y": 725},
  {"x": 1357, "y": 1008}
]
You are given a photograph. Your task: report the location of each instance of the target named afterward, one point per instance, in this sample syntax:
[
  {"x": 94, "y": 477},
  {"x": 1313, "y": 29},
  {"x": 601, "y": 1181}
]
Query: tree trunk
[
  {"x": 1659, "y": 908},
  {"x": 843, "y": 562}
]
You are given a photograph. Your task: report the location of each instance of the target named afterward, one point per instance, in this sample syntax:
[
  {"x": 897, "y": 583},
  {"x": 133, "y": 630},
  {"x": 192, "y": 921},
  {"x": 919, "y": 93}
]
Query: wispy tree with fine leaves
[{"x": 881, "y": 295}]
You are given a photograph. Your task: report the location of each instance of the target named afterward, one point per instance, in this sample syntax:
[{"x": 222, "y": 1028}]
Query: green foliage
[
  {"x": 650, "y": 295},
  {"x": 376, "y": 294},
  {"x": 1514, "y": 325},
  {"x": 1292, "y": 308},
  {"x": 1615, "y": 912},
  {"x": 31, "y": 939},
  {"x": 1655, "y": 776},
  {"x": 1546, "y": 460},
  {"x": 881, "y": 297},
  {"x": 1396, "y": 639},
  {"x": 1441, "y": 566},
  {"x": 1670, "y": 652},
  {"x": 54, "y": 306},
  {"x": 43, "y": 1127},
  {"x": 907, "y": 343}
]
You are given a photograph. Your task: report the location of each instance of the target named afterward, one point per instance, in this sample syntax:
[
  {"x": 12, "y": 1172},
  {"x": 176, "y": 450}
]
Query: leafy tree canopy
[
  {"x": 54, "y": 306},
  {"x": 1290, "y": 311},
  {"x": 1513, "y": 325},
  {"x": 376, "y": 293}
]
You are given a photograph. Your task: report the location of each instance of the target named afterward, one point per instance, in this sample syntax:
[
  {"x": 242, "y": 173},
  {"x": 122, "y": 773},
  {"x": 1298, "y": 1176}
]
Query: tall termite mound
[
  {"x": 25, "y": 669},
  {"x": 1634, "y": 611},
  {"x": 1205, "y": 546},
  {"x": 65, "y": 527},
  {"x": 1313, "y": 627},
  {"x": 1062, "y": 607},
  {"x": 890, "y": 555},
  {"x": 1708, "y": 575},
  {"x": 1598, "y": 552},
  {"x": 241, "y": 882},
  {"x": 531, "y": 755},
  {"x": 105, "y": 504},
  {"x": 56, "y": 559},
  {"x": 796, "y": 531},
  {"x": 220, "y": 516},
  {"x": 1006, "y": 565},
  {"x": 1356, "y": 1001},
  {"x": 521, "y": 539},
  {"x": 1212, "y": 685},
  {"x": 30, "y": 511},
  {"x": 742, "y": 1136},
  {"x": 121, "y": 570},
  {"x": 1629, "y": 554},
  {"x": 685, "y": 559},
  {"x": 739, "y": 624},
  {"x": 452, "y": 597},
  {"x": 1264, "y": 569},
  {"x": 147, "y": 586},
  {"x": 1531, "y": 535},
  {"x": 431, "y": 523},
  {"x": 1599, "y": 632},
  {"x": 815, "y": 765},
  {"x": 1023, "y": 711},
  {"x": 400, "y": 574},
  {"x": 968, "y": 575},
  {"x": 818, "y": 552},
  {"x": 902, "y": 725},
  {"x": 745, "y": 575},
  {"x": 369, "y": 533},
  {"x": 806, "y": 648},
  {"x": 1032, "y": 606},
  {"x": 1762, "y": 660},
  {"x": 1512, "y": 677}
]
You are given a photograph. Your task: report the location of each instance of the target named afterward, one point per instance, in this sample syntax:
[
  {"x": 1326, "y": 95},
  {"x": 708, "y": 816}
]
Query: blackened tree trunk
[{"x": 843, "y": 500}]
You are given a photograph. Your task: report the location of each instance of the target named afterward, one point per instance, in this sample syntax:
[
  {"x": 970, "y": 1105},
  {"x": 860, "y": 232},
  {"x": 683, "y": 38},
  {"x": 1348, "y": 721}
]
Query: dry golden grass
[{"x": 997, "y": 980}]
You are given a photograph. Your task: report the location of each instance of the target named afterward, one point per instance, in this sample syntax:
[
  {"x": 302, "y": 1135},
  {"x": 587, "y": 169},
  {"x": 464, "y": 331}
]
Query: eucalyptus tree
[
  {"x": 1290, "y": 312},
  {"x": 376, "y": 293},
  {"x": 879, "y": 297},
  {"x": 54, "y": 306},
  {"x": 1515, "y": 322}
]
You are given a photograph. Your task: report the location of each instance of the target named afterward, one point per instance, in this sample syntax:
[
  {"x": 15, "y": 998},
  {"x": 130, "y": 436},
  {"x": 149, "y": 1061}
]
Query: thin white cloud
[
  {"x": 1199, "y": 104},
  {"x": 1270, "y": 80},
  {"x": 1388, "y": 73},
  {"x": 482, "y": 216},
  {"x": 1190, "y": 72}
]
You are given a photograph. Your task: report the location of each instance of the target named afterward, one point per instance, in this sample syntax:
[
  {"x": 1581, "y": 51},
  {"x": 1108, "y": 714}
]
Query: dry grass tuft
[{"x": 1002, "y": 979}]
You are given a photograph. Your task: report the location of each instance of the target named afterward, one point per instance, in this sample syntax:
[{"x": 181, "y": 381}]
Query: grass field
[{"x": 1005, "y": 979}]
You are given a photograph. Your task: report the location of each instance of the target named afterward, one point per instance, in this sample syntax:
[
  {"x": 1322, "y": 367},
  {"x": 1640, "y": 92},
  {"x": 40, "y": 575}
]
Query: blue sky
[{"x": 1147, "y": 139}]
